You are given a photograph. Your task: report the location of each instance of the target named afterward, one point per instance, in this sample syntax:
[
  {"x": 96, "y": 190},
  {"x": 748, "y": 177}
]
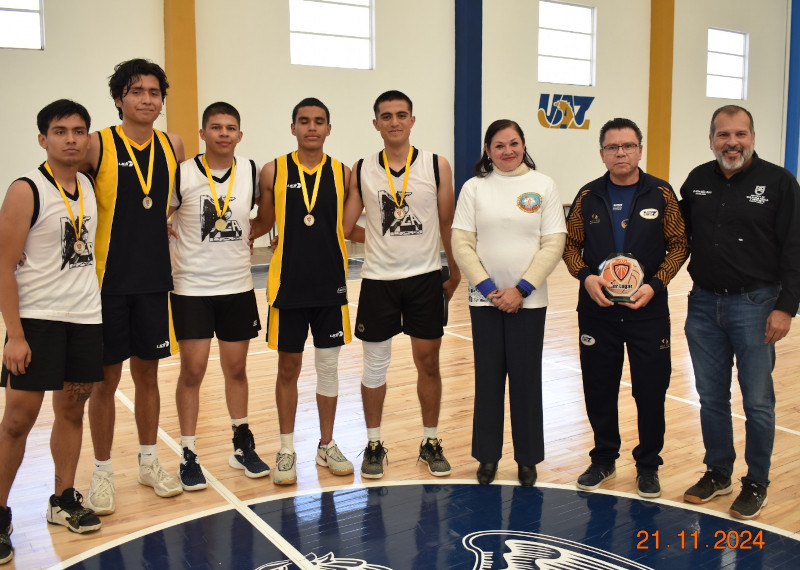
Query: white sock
[
  {"x": 147, "y": 454},
  {"x": 429, "y": 433},
  {"x": 189, "y": 442},
  {"x": 103, "y": 465},
  {"x": 374, "y": 434},
  {"x": 287, "y": 442},
  {"x": 240, "y": 421}
]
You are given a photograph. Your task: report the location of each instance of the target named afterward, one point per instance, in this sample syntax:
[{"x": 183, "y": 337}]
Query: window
[
  {"x": 727, "y": 64},
  {"x": 331, "y": 33},
  {"x": 566, "y": 43},
  {"x": 21, "y": 24}
]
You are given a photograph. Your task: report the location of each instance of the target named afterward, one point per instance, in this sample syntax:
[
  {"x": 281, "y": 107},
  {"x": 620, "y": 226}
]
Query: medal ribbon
[
  {"x": 76, "y": 225},
  {"x": 220, "y": 213},
  {"x": 405, "y": 176},
  {"x": 318, "y": 170},
  {"x": 145, "y": 185}
]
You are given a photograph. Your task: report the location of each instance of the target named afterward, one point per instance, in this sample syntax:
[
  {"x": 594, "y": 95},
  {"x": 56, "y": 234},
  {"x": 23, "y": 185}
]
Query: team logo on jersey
[
  {"x": 339, "y": 334},
  {"x": 208, "y": 218},
  {"x": 164, "y": 344},
  {"x": 342, "y": 289},
  {"x": 649, "y": 213},
  {"x": 594, "y": 219},
  {"x": 294, "y": 186},
  {"x": 587, "y": 340},
  {"x": 398, "y": 221},
  {"x": 757, "y": 197},
  {"x": 563, "y": 111},
  {"x": 126, "y": 164},
  {"x": 664, "y": 345},
  {"x": 529, "y": 202},
  {"x": 701, "y": 192},
  {"x": 69, "y": 256}
]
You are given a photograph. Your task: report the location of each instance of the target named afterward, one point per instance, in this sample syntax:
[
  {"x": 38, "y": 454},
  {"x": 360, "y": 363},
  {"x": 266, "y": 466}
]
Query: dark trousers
[
  {"x": 602, "y": 346},
  {"x": 508, "y": 345}
]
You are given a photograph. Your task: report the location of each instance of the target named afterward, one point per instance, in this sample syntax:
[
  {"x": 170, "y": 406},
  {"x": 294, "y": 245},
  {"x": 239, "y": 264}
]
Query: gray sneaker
[
  {"x": 372, "y": 464},
  {"x": 431, "y": 452}
]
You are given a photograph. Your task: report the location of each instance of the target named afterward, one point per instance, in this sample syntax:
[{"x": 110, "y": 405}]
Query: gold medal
[
  {"x": 309, "y": 219},
  {"x": 77, "y": 225},
  {"x": 220, "y": 224},
  {"x": 146, "y": 185},
  {"x": 399, "y": 213}
]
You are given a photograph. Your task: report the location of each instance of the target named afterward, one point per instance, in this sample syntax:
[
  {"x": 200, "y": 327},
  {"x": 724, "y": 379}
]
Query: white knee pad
[
  {"x": 326, "y": 361},
  {"x": 377, "y": 356}
]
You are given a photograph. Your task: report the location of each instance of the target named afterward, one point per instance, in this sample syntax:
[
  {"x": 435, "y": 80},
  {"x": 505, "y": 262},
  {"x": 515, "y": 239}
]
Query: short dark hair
[
  {"x": 392, "y": 95},
  {"x": 620, "y": 123},
  {"x": 220, "y": 108},
  {"x": 311, "y": 102},
  {"x": 484, "y": 166},
  {"x": 60, "y": 109},
  {"x": 730, "y": 110},
  {"x": 126, "y": 73}
]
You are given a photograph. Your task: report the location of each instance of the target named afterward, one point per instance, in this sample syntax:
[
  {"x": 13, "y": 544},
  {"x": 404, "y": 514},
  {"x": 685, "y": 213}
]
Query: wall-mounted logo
[{"x": 564, "y": 111}]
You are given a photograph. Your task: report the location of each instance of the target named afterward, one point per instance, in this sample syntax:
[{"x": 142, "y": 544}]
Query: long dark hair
[{"x": 484, "y": 166}]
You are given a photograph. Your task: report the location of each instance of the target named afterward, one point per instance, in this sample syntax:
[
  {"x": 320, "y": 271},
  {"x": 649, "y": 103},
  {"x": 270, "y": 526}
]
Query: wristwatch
[{"x": 522, "y": 291}]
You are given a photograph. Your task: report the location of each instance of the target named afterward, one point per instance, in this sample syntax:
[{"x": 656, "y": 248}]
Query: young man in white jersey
[
  {"x": 213, "y": 285},
  {"x": 135, "y": 169},
  {"x": 51, "y": 310},
  {"x": 407, "y": 195},
  {"x": 306, "y": 287}
]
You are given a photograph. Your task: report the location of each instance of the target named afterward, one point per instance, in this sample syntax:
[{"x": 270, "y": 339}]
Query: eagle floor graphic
[{"x": 461, "y": 526}]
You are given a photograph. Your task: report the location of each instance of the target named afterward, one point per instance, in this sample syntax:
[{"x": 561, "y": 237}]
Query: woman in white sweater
[{"x": 508, "y": 236}]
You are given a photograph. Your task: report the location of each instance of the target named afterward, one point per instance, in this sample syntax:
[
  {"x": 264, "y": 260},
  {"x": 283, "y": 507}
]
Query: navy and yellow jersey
[
  {"x": 132, "y": 248},
  {"x": 309, "y": 265}
]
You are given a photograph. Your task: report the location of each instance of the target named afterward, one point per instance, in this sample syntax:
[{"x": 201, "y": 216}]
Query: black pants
[
  {"x": 602, "y": 345},
  {"x": 508, "y": 345}
]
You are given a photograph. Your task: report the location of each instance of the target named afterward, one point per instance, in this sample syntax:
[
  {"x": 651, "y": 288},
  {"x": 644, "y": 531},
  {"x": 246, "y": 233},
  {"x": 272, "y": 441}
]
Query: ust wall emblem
[
  {"x": 529, "y": 202},
  {"x": 558, "y": 111}
]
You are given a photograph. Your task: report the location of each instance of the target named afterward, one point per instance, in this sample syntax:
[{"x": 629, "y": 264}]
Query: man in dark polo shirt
[{"x": 743, "y": 220}]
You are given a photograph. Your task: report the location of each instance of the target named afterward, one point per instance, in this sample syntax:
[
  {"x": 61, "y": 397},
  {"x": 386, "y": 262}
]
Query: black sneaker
[
  {"x": 594, "y": 476},
  {"x": 6, "y": 528},
  {"x": 750, "y": 501},
  {"x": 190, "y": 473},
  {"x": 244, "y": 453},
  {"x": 372, "y": 464},
  {"x": 68, "y": 510},
  {"x": 431, "y": 452},
  {"x": 711, "y": 484},
  {"x": 647, "y": 484}
]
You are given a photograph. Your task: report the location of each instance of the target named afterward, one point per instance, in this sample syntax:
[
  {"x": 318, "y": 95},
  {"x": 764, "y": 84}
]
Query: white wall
[
  {"x": 765, "y": 22},
  {"x": 248, "y": 66},
  {"x": 84, "y": 39},
  {"x": 511, "y": 90}
]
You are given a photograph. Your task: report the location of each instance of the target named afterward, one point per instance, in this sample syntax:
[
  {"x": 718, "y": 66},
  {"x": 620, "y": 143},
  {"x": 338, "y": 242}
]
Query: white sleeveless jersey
[
  {"x": 207, "y": 260},
  {"x": 56, "y": 282},
  {"x": 403, "y": 242}
]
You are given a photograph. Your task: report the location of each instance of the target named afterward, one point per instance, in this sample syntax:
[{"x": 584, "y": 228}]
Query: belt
[{"x": 737, "y": 290}]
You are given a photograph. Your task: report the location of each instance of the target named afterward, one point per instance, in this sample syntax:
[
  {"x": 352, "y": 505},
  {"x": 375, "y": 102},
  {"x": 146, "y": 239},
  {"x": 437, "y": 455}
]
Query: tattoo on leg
[{"x": 78, "y": 391}]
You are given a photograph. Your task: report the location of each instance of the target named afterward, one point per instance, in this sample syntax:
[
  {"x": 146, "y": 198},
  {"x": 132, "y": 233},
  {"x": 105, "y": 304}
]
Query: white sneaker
[
  {"x": 101, "y": 493},
  {"x": 164, "y": 484},
  {"x": 331, "y": 457},
  {"x": 285, "y": 472}
]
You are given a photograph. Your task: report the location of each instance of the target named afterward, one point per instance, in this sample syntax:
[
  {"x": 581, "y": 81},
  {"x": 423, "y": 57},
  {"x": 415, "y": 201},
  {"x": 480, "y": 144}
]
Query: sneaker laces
[
  {"x": 334, "y": 453},
  {"x": 72, "y": 504},
  {"x": 285, "y": 461},
  {"x": 159, "y": 472},
  {"x": 103, "y": 486}
]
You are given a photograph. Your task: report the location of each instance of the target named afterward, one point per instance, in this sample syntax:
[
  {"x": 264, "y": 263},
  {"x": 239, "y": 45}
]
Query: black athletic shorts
[
  {"x": 288, "y": 328},
  {"x": 60, "y": 352},
  {"x": 231, "y": 317},
  {"x": 137, "y": 325},
  {"x": 412, "y": 305}
]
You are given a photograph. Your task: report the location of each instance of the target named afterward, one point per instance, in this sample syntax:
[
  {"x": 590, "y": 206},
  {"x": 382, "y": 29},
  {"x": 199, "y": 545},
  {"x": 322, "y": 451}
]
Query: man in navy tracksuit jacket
[{"x": 626, "y": 211}]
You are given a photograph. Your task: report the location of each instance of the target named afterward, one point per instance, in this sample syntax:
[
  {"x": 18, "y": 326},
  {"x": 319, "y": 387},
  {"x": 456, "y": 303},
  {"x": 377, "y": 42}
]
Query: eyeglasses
[{"x": 614, "y": 148}]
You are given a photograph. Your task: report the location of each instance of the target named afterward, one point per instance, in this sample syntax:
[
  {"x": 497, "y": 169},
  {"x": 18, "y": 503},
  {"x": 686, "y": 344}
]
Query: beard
[{"x": 733, "y": 165}]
